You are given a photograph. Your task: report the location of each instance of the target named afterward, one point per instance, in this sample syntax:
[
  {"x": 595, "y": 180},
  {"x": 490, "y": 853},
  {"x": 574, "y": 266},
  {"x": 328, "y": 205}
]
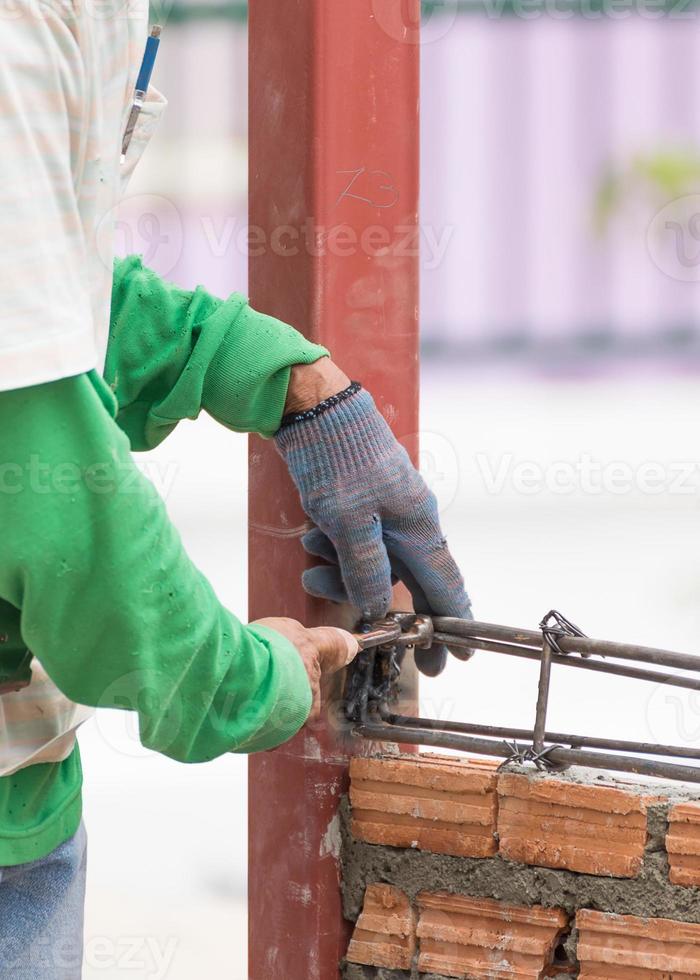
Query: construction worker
[{"x": 99, "y": 360}]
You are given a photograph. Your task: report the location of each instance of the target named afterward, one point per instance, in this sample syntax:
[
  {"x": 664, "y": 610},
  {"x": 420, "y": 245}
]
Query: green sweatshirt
[{"x": 94, "y": 579}]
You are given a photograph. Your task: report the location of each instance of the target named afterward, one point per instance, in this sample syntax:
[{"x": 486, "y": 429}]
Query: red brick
[
  {"x": 683, "y": 844},
  {"x": 554, "y": 823},
  {"x": 486, "y": 940},
  {"x": 435, "y": 803},
  {"x": 385, "y": 934},
  {"x": 624, "y": 947}
]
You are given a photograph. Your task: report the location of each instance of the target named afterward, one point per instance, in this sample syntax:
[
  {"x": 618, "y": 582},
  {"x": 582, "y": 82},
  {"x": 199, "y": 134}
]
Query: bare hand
[
  {"x": 310, "y": 384},
  {"x": 323, "y": 649}
]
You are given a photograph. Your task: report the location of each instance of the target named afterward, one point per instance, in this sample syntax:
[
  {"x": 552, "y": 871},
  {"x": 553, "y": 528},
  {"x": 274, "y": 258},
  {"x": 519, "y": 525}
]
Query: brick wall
[{"x": 453, "y": 869}]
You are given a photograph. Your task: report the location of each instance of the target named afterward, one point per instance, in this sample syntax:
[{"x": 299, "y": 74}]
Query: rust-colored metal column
[{"x": 333, "y": 208}]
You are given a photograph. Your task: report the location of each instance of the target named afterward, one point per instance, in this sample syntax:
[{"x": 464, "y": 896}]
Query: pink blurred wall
[
  {"x": 520, "y": 121},
  {"x": 521, "y": 118}
]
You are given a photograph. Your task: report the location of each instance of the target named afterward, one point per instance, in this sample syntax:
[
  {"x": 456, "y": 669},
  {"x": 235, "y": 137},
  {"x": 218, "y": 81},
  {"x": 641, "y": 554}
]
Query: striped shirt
[{"x": 67, "y": 75}]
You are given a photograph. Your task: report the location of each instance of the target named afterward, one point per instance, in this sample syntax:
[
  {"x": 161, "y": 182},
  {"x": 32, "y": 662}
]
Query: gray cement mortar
[
  {"x": 413, "y": 871},
  {"x": 650, "y": 894},
  {"x": 352, "y": 971}
]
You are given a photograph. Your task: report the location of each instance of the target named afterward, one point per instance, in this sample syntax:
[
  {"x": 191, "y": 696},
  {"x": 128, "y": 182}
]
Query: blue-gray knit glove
[{"x": 376, "y": 520}]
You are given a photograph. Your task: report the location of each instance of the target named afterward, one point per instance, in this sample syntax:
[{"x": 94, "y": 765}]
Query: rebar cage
[{"x": 372, "y": 688}]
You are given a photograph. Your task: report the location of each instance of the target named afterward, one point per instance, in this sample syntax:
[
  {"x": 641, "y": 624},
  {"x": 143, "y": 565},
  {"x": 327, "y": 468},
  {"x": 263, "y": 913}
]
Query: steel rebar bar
[
  {"x": 557, "y": 755},
  {"x": 469, "y": 629},
  {"x": 495, "y": 731},
  {"x": 532, "y": 653}
]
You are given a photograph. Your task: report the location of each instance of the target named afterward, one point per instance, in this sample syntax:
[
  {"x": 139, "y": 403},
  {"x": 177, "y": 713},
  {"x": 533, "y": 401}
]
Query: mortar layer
[{"x": 413, "y": 871}]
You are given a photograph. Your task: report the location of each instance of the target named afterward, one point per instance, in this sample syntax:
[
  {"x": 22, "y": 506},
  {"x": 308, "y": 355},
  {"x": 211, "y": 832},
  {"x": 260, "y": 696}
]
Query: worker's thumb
[{"x": 336, "y": 648}]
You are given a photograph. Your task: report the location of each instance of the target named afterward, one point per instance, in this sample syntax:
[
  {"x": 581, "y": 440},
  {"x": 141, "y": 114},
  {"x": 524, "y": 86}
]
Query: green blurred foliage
[{"x": 655, "y": 178}]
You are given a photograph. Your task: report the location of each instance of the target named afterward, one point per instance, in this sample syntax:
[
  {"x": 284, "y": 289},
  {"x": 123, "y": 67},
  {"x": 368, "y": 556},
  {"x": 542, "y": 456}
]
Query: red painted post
[{"x": 333, "y": 207}]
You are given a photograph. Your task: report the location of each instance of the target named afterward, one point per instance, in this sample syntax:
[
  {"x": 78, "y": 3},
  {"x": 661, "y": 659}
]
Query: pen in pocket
[{"x": 142, "y": 83}]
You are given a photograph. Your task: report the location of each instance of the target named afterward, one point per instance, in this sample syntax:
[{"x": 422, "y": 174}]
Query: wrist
[
  {"x": 343, "y": 434},
  {"x": 310, "y": 384}
]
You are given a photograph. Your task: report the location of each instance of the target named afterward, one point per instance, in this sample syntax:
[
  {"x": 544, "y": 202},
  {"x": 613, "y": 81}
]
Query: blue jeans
[{"x": 41, "y": 915}]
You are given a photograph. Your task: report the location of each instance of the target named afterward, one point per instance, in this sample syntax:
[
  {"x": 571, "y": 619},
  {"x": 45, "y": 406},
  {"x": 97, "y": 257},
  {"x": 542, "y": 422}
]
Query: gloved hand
[{"x": 376, "y": 519}]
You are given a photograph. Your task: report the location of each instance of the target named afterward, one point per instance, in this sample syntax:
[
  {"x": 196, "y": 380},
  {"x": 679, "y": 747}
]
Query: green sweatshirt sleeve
[
  {"x": 173, "y": 352},
  {"x": 108, "y": 599}
]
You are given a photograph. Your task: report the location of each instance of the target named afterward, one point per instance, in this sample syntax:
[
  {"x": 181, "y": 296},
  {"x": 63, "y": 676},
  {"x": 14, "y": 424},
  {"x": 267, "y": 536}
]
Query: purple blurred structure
[{"x": 522, "y": 121}]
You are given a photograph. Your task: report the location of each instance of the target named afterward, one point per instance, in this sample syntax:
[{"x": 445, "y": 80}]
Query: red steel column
[{"x": 334, "y": 209}]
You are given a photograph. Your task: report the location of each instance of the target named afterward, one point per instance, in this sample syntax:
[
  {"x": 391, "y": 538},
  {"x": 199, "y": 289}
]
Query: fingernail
[{"x": 353, "y": 648}]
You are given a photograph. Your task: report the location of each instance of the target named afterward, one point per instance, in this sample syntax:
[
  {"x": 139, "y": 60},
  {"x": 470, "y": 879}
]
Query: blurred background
[{"x": 560, "y": 234}]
